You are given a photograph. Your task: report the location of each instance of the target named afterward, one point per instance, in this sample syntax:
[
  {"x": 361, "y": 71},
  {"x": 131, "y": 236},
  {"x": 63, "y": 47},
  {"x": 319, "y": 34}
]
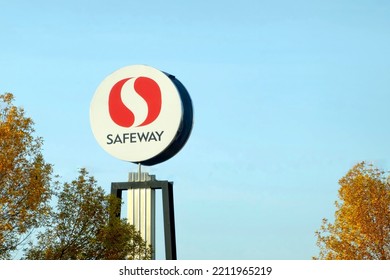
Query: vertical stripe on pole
[{"x": 141, "y": 210}]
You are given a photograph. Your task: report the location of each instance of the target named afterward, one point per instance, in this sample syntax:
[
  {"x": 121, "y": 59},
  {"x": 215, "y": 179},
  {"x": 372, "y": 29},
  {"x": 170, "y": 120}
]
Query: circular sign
[{"x": 142, "y": 115}]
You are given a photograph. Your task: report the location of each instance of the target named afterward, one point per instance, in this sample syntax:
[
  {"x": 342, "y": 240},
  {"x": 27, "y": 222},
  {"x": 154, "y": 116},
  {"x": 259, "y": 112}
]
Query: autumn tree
[
  {"x": 85, "y": 226},
  {"x": 24, "y": 177},
  {"x": 361, "y": 229}
]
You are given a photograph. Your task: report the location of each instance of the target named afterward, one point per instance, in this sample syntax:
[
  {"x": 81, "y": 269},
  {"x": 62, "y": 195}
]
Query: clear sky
[{"x": 288, "y": 96}]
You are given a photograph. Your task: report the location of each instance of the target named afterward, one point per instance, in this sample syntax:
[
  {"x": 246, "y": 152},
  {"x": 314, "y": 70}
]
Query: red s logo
[{"x": 145, "y": 87}]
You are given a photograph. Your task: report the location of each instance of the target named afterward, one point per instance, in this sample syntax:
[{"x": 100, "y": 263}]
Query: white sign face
[{"x": 136, "y": 113}]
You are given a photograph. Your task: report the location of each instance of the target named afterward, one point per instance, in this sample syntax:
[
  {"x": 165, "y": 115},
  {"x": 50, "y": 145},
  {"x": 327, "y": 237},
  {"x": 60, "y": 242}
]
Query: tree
[
  {"x": 361, "y": 229},
  {"x": 86, "y": 227},
  {"x": 24, "y": 177}
]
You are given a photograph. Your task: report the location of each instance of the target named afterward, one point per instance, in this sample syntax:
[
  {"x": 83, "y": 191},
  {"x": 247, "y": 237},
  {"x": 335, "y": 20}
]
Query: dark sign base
[{"x": 168, "y": 209}]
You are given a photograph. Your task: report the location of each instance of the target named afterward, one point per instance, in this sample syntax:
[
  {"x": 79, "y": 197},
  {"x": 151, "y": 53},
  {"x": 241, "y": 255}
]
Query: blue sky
[{"x": 288, "y": 95}]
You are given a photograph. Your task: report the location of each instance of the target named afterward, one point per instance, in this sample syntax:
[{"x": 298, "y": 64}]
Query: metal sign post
[{"x": 168, "y": 207}]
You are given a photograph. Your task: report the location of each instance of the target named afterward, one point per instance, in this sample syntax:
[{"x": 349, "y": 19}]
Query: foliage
[
  {"x": 24, "y": 177},
  {"x": 361, "y": 229},
  {"x": 86, "y": 227}
]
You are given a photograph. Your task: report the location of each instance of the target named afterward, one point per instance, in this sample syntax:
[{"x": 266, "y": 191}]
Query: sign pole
[
  {"x": 168, "y": 208},
  {"x": 169, "y": 222}
]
